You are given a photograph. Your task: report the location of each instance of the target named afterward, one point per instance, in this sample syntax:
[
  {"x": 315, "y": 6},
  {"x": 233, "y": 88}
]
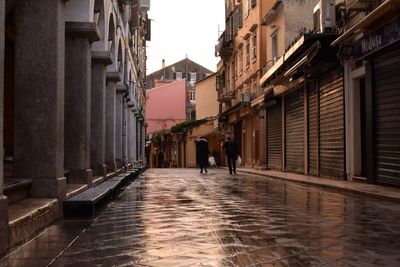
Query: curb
[{"x": 370, "y": 191}]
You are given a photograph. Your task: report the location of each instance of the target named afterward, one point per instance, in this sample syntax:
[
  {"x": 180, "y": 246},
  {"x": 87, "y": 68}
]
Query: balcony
[
  {"x": 224, "y": 48},
  {"x": 226, "y": 97}
]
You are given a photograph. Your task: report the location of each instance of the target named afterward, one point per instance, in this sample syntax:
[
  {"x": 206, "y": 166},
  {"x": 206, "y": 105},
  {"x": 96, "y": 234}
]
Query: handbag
[{"x": 239, "y": 161}]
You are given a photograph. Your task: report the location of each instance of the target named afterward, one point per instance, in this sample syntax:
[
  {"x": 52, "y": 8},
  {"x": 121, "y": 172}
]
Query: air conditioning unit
[
  {"x": 145, "y": 4},
  {"x": 324, "y": 16}
]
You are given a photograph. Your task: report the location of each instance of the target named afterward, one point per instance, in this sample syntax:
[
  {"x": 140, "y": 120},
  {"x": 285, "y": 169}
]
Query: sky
[{"x": 184, "y": 27}]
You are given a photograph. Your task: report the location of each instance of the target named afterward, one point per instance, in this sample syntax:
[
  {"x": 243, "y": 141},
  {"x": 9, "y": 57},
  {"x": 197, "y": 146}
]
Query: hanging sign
[{"x": 377, "y": 39}]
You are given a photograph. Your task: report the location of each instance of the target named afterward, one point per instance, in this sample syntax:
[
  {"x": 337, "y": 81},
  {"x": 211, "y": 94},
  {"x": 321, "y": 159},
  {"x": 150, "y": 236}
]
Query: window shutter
[{"x": 240, "y": 16}]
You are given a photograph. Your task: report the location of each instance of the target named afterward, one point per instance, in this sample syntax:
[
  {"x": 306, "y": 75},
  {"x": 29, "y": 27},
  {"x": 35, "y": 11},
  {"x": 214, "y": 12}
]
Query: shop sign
[{"x": 377, "y": 39}]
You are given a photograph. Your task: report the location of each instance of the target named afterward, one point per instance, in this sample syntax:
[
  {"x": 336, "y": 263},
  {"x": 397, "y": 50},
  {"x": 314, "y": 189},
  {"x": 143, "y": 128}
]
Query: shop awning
[
  {"x": 287, "y": 56},
  {"x": 377, "y": 13}
]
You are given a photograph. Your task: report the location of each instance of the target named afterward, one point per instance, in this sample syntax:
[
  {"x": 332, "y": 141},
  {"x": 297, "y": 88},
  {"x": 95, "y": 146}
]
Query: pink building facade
[{"x": 165, "y": 106}]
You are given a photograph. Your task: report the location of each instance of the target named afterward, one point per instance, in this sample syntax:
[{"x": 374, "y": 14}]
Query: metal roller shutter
[
  {"x": 312, "y": 110},
  {"x": 387, "y": 118},
  {"x": 274, "y": 137},
  {"x": 249, "y": 140},
  {"x": 331, "y": 123},
  {"x": 294, "y": 125}
]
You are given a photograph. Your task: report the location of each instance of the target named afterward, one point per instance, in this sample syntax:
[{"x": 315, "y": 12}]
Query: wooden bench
[{"x": 86, "y": 203}]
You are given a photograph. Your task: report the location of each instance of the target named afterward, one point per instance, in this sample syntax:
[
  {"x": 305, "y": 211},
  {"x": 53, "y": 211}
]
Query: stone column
[
  {"x": 77, "y": 100},
  {"x": 98, "y": 110},
  {"x": 112, "y": 79},
  {"x": 137, "y": 136},
  {"x": 262, "y": 116},
  {"x": 129, "y": 127},
  {"x": 39, "y": 96},
  {"x": 133, "y": 136},
  {"x": 119, "y": 126},
  {"x": 3, "y": 199}
]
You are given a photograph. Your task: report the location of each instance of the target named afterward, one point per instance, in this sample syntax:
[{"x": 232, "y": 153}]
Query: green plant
[{"x": 180, "y": 127}]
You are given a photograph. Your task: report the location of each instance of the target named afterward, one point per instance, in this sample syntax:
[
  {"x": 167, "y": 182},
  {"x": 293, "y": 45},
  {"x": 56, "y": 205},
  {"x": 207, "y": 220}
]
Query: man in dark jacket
[
  {"x": 202, "y": 153},
  {"x": 231, "y": 149}
]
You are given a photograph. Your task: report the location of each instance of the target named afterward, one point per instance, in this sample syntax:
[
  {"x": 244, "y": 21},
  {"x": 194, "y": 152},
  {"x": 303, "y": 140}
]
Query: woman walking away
[{"x": 202, "y": 153}]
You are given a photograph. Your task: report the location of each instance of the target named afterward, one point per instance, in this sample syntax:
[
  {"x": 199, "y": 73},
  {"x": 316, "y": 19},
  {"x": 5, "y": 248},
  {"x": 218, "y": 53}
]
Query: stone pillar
[
  {"x": 137, "y": 135},
  {"x": 133, "y": 136},
  {"x": 3, "y": 199},
  {"x": 119, "y": 126},
  {"x": 39, "y": 96},
  {"x": 262, "y": 116},
  {"x": 98, "y": 110},
  {"x": 129, "y": 127},
  {"x": 112, "y": 79},
  {"x": 77, "y": 100}
]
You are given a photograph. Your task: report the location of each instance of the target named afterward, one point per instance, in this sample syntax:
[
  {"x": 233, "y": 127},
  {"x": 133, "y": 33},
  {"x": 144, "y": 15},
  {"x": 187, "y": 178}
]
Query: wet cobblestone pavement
[{"x": 179, "y": 217}]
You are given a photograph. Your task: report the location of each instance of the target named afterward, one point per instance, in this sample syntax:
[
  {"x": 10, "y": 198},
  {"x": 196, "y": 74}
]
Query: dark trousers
[
  {"x": 231, "y": 164},
  {"x": 203, "y": 165}
]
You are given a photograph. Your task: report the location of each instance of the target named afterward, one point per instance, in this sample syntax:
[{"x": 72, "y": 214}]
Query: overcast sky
[{"x": 181, "y": 27}]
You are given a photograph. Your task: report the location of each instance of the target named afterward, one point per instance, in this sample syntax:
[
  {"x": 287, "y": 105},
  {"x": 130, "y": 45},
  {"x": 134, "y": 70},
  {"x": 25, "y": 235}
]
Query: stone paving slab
[
  {"x": 372, "y": 190},
  {"x": 179, "y": 217}
]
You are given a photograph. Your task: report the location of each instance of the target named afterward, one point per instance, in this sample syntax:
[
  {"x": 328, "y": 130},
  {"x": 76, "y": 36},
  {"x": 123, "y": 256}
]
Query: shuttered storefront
[
  {"x": 331, "y": 123},
  {"x": 274, "y": 137},
  {"x": 249, "y": 140},
  {"x": 312, "y": 110},
  {"x": 294, "y": 131},
  {"x": 387, "y": 117}
]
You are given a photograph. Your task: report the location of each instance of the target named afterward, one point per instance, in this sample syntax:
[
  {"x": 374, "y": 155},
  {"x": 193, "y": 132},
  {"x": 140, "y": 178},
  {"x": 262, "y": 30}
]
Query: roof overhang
[{"x": 386, "y": 7}]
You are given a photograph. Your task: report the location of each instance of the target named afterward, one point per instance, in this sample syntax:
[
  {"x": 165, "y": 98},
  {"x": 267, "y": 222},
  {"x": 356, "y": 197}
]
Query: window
[
  {"x": 246, "y": 8},
  {"x": 253, "y": 3},
  {"x": 228, "y": 74},
  {"x": 254, "y": 46},
  {"x": 193, "y": 76},
  {"x": 247, "y": 53},
  {"x": 254, "y": 89},
  {"x": 193, "y": 96},
  {"x": 236, "y": 67},
  {"x": 274, "y": 46},
  {"x": 178, "y": 75},
  {"x": 241, "y": 61},
  {"x": 240, "y": 18},
  {"x": 233, "y": 68}
]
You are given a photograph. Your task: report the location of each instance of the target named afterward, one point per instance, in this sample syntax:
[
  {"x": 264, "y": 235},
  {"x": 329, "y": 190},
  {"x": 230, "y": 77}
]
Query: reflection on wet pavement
[{"x": 178, "y": 217}]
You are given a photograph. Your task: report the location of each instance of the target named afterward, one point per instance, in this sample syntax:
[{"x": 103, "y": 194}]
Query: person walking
[
  {"x": 160, "y": 159},
  {"x": 231, "y": 149},
  {"x": 202, "y": 153}
]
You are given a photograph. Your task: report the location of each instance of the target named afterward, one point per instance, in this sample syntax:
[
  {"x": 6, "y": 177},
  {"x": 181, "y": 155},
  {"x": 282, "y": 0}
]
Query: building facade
[
  {"x": 74, "y": 99},
  {"x": 240, "y": 47},
  {"x": 369, "y": 49},
  {"x": 185, "y": 69},
  {"x": 162, "y": 115}
]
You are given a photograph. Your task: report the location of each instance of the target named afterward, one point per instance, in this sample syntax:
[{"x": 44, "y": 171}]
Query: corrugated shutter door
[
  {"x": 294, "y": 130},
  {"x": 387, "y": 118},
  {"x": 312, "y": 129},
  {"x": 274, "y": 137},
  {"x": 249, "y": 140},
  {"x": 331, "y": 123}
]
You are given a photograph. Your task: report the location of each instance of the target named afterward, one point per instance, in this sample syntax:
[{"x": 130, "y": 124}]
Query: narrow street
[{"x": 179, "y": 217}]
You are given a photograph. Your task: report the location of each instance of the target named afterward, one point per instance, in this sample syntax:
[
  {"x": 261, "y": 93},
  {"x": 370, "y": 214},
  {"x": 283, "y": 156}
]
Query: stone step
[
  {"x": 16, "y": 189},
  {"x": 75, "y": 189},
  {"x": 28, "y": 217},
  {"x": 96, "y": 180}
]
